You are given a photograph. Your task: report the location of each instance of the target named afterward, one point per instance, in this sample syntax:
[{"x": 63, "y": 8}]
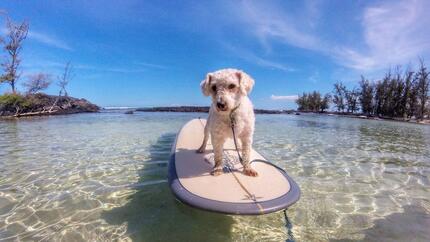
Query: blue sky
[{"x": 148, "y": 53}]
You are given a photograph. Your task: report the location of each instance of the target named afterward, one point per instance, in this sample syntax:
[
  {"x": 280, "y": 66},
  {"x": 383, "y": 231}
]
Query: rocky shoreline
[{"x": 16, "y": 105}]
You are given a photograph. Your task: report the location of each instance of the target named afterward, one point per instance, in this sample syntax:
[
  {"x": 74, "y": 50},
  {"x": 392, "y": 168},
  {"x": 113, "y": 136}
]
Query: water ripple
[{"x": 102, "y": 177}]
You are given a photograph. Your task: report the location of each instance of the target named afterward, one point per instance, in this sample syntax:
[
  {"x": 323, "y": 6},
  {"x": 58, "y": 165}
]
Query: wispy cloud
[
  {"x": 151, "y": 65},
  {"x": 274, "y": 24},
  {"x": 314, "y": 77},
  {"x": 284, "y": 98},
  {"x": 44, "y": 65},
  {"x": 252, "y": 58},
  {"x": 271, "y": 64},
  {"x": 30, "y": 63},
  {"x": 44, "y": 39},
  {"x": 109, "y": 69},
  {"x": 394, "y": 33},
  {"x": 48, "y": 40}
]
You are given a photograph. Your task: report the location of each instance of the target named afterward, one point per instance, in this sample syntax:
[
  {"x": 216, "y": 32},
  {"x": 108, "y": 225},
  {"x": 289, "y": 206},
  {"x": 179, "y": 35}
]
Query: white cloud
[
  {"x": 394, "y": 34},
  {"x": 284, "y": 98},
  {"x": 48, "y": 40}
]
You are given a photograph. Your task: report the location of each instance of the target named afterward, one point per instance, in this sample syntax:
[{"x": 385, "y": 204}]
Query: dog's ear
[
  {"x": 245, "y": 81},
  {"x": 205, "y": 85}
]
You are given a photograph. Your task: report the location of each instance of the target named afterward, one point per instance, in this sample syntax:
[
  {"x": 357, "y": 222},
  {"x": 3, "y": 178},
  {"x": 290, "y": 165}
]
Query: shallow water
[{"x": 98, "y": 177}]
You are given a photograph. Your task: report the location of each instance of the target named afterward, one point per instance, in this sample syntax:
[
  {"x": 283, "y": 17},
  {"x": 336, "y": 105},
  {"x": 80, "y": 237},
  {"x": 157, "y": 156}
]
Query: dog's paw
[
  {"x": 216, "y": 171},
  {"x": 201, "y": 150},
  {"x": 250, "y": 172}
]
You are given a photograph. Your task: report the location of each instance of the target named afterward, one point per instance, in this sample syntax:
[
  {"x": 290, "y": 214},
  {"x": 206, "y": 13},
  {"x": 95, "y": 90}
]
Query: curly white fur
[{"x": 229, "y": 89}]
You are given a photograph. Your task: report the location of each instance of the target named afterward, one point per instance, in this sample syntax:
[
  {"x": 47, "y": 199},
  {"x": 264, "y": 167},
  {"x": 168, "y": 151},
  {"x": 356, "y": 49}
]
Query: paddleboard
[{"x": 231, "y": 192}]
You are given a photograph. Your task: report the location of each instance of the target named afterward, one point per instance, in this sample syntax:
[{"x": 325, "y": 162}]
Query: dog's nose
[{"x": 220, "y": 105}]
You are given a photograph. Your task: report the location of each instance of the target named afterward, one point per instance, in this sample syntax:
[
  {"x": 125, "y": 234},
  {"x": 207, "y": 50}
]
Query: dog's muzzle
[{"x": 221, "y": 106}]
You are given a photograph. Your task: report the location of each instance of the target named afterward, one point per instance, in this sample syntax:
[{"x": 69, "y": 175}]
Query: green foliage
[
  {"x": 366, "y": 96},
  {"x": 400, "y": 95},
  {"x": 422, "y": 87},
  {"x": 313, "y": 102},
  {"x": 14, "y": 103},
  {"x": 352, "y": 98},
  {"x": 339, "y": 96}
]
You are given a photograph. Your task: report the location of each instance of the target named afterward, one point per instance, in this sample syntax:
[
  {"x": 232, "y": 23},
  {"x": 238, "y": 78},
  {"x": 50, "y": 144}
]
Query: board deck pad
[{"x": 231, "y": 192}]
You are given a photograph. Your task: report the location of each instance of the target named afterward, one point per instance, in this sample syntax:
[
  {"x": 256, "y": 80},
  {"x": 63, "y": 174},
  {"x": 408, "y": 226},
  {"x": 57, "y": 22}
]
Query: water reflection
[{"x": 152, "y": 213}]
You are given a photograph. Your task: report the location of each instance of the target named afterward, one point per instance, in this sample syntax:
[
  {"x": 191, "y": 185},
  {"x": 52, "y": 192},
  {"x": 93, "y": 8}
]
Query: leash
[
  {"x": 230, "y": 168},
  {"x": 289, "y": 227},
  {"x": 250, "y": 195},
  {"x": 232, "y": 123},
  {"x": 288, "y": 224}
]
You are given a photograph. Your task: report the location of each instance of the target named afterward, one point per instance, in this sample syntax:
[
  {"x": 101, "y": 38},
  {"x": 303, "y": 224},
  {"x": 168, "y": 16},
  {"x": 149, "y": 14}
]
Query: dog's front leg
[
  {"x": 218, "y": 145},
  {"x": 202, "y": 148},
  {"x": 246, "y": 154}
]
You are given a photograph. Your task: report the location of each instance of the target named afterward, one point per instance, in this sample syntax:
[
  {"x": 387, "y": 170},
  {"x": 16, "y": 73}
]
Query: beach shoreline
[{"x": 205, "y": 109}]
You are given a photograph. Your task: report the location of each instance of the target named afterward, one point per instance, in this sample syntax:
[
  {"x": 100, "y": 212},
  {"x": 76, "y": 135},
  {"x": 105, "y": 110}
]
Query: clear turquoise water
[{"x": 98, "y": 177}]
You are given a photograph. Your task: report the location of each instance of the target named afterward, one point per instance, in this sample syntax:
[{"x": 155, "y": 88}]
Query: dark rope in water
[
  {"x": 288, "y": 224},
  {"x": 289, "y": 227}
]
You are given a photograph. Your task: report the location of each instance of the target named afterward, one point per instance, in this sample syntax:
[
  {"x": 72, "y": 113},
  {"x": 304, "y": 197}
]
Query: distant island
[
  {"x": 204, "y": 109},
  {"x": 16, "y": 105}
]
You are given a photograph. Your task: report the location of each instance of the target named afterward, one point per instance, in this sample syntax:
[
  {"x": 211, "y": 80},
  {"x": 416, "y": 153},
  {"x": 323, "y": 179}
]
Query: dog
[{"x": 229, "y": 89}]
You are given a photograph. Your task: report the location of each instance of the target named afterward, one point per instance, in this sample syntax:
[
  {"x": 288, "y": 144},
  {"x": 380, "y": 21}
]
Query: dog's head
[{"x": 226, "y": 87}]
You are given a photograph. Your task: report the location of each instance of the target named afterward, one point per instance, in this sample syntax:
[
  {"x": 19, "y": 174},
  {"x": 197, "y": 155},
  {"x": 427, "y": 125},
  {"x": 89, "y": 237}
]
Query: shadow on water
[{"x": 153, "y": 214}]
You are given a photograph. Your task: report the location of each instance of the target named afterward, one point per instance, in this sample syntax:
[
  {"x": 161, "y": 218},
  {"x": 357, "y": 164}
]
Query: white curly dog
[{"x": 229, "y": 89}]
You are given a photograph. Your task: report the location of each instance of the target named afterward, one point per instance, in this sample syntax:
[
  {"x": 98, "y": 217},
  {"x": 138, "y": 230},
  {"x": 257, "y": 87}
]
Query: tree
[
  {"x": 352, "y": 100},
  {"x": 409, "y": 96},
  {"x": 398, "y": 87},
  {"x": 15, "y": 35},
  {"x": 37, "y": 82},
  {"x": 325, "y": 103},
  {"x": 383, "y": 95},
  {"x": 65, "y": 78},
  {"x": 302, "y": 102},
  {"x": 339, "y": 96},
  {"x": 313, "y": 102},
  {"x": 422, "y": 83},
  {"x": 366, "y": 96}
]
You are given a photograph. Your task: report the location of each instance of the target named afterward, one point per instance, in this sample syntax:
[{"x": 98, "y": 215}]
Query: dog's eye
[
  {"x": 231, "y": 86},
  {"x": 214, "y": 88}
]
